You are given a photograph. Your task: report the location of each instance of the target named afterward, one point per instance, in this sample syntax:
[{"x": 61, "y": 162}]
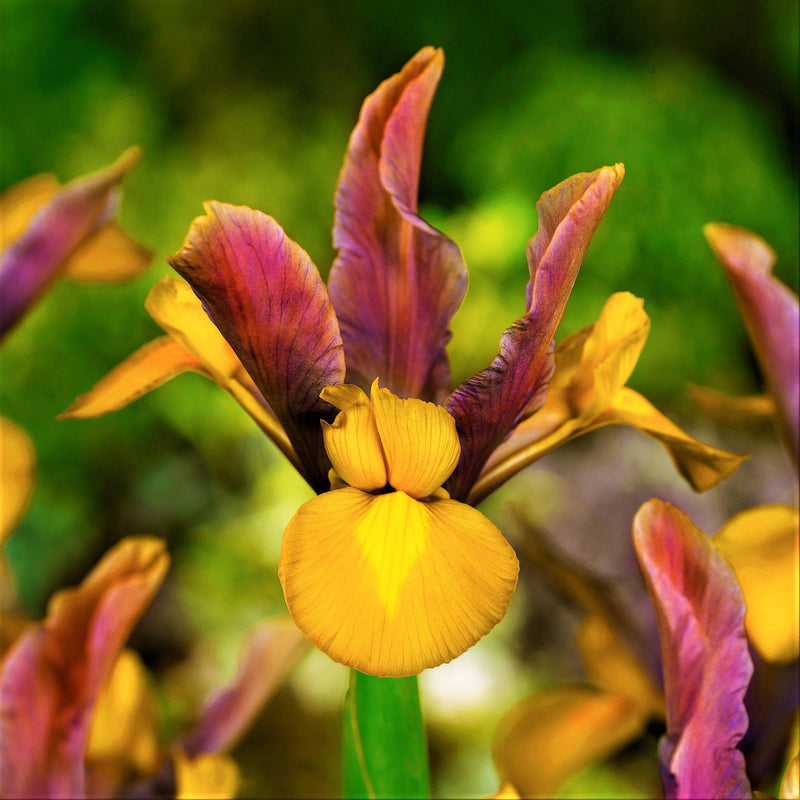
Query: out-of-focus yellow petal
[
  {"x": 731, "y": 410},
  {"x": 611, "y": 666},
  {"x": 553, "y": 734},
  {"x": 124, "y": 725},
  {"x": 206, "y": 776},
  {"x": 790, "y": 784},
  {"x": 108, "y": 255},
  {"x": 763, "y": 546},
  {"x": 391, "y": 586},
  {"x": 19, "y": 203},
  {"x": 352, "y": 441},
  {"x": 17, "y": 467},
  {"x": 505, "y": 792},
  {"x": 146, "y": 369},
  {"x": 419, "y": 440}
]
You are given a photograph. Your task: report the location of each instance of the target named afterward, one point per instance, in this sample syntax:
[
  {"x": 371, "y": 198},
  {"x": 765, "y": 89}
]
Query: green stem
[{"x": 385, "y": 753}]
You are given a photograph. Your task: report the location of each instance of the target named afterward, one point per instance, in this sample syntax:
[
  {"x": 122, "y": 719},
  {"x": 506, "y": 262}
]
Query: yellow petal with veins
[
  {"x": 419, "y": 440},
  {"x": 205, "y": 776},
  {"x": 352, "y": 441},
  {"x": 391, "y": 586},
  {"x": 762, "y": 545}
]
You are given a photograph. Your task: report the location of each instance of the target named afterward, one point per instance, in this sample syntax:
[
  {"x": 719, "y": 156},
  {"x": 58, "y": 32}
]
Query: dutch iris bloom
[{"x": 419, "y": 576}]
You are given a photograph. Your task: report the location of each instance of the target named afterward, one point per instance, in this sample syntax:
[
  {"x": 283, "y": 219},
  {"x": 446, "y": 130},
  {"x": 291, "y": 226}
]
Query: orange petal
[
  {"x": 731, "y": 410},
  {"x": 391, "y": 586},
  {"x": 107, "y": 256},
  {"x": 352, "y": 441},
  {"x": 419, "y": 440},
  {"x": 17, "y": 467},
  {"x": 19, "y": 204},
  {"x": 206, "y": 776},
  {"x": 146, "y": 369},
  {"x": 556, "y": 732}
]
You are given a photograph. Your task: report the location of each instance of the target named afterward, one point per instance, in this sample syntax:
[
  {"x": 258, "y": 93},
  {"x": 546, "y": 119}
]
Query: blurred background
[{"x": 252, "y": 103}]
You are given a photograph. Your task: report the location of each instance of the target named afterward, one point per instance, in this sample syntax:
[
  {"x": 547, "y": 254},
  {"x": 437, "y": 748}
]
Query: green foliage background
[{"x": 252, "y": 102}]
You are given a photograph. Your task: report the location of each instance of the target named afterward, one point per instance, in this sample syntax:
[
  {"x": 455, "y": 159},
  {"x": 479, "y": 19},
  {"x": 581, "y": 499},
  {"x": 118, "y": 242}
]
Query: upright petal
[
  {"x": 51, "y": 678},
  {"x": 488, "y": 405},
  {"x": 772, "y": 315},
  {"x": 30, "y": 262},
  {"x": 266, "y": 297},
  {"x": 707, "y": 666},
  {"x": 391, "y": 586},
  {"x": 397, "y": 282}
]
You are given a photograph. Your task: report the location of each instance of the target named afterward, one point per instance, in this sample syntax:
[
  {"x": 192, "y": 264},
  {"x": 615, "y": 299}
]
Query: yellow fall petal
[
  {"x": 108, "y": 255},
  {"x": 205, "y": 776},
  {"x": 124, "y": 725},
  {"x": 763, "y": 546},
  {"x": 554, "y": 733},
  {"x": 17, "y": 467},
  {"x": 391, "y": 586},
  {"x": 148, "y": 368},
  {"x": 419, "y": 440},
  {"x": 352, "y": 441},
  {"x": 729, "y": 409},
  {"x": 19, "y": 204}
]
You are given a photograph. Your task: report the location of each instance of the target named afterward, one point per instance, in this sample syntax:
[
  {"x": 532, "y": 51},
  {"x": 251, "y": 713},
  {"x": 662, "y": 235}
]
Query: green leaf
[{"x": 385, "y": 754}]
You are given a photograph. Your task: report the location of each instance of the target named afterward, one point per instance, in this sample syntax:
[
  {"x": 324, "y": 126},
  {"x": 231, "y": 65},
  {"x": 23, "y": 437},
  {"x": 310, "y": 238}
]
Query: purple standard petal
[
  {"x": 52, "y": 676},
  {"x": 707, "y": 666},
  {"x": 488, "y": 405},
  {"x": 397, "y": 282},
  {"x": 34, "y": 259},
  {"x": 266, "y": 297},
  {"x": 771, "y": 314}
]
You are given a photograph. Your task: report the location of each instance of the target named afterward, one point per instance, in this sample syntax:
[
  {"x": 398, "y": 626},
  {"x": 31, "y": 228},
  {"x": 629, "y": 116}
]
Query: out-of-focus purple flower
[{"x": 47, "y": 230}]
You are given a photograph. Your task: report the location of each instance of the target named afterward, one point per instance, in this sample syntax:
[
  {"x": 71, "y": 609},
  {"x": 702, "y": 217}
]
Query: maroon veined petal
[
  {"x": 707, "y": 666},
  {"x": 34, "y": 259},
  {"x": 488, "y": 405},
  {"x": 396, "y": 282},
  {"x": 52, "y": 676},
  {"x": 772, "y": 315},
  {"x": 266, "y": 297}
]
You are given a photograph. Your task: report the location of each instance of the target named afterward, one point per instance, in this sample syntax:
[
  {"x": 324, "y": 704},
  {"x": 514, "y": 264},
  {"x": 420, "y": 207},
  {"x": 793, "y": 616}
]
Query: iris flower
[
  {"x": 419, "y": 576},
  {"x": 76, "y": 716},
  {"x": 47, "y": 231}
]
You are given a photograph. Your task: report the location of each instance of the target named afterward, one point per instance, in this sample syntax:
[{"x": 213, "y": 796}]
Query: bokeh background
[{"x": 252, "y": 103}]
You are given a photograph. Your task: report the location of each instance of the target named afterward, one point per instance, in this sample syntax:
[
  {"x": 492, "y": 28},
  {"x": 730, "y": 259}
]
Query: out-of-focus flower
[
  {"x": 52, "y": 675},
  {"x": 771, "y": 313},
  {"x": 77, "y": 715},
  {"x": 707, "y": 667},
  {"x": 47, "y": 230},
  {"x": 281, "y": 338},
  {"x": 387, "y": 574}
]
